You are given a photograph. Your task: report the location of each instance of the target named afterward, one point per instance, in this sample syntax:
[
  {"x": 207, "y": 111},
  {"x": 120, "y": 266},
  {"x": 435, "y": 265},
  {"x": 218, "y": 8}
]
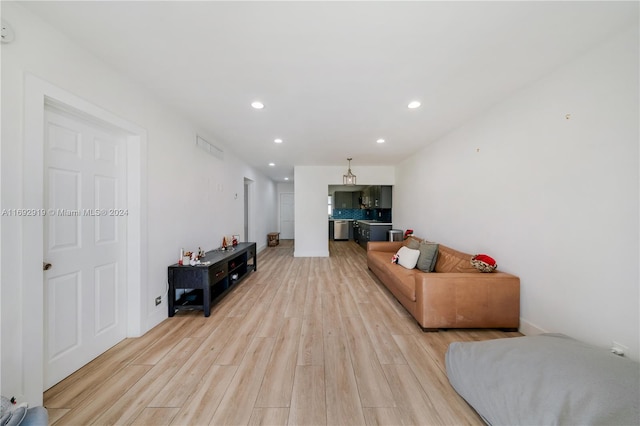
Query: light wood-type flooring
[{"x": 315, "y": 341}]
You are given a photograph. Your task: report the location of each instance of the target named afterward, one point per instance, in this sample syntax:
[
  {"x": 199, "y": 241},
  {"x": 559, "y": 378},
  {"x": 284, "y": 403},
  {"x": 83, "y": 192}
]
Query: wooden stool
[{"x": 273, "y": 239}]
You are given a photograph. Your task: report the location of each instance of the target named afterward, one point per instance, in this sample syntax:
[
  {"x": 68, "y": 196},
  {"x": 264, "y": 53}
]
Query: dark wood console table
[{"x": 210, "y": 281}]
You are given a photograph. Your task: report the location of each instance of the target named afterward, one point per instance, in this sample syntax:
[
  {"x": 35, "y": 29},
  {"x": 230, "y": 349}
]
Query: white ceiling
[{"x": 334, "y": 76}]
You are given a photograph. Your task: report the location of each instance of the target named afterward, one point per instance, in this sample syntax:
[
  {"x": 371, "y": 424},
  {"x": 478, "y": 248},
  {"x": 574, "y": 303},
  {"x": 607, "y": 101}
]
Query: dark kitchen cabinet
[
  {"x": 362, "y": 234},
  {"x": 375, "y": 196},
  {"x": 385, "y": 199},
  {"x": 356, "y": 198},
  {"x": 381, "y": 197},
  {"x": 367, "y": 200},
  {"x": 343, "y": 200},
  {"x": 378, "y": 197},
  {"x": 379, "y": 232}
]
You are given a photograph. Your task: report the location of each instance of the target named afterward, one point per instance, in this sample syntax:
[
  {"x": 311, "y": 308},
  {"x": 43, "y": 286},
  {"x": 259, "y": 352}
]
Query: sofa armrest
[
  {"x": 491, "y": 299},
  {"x": 385, "y": 246}
]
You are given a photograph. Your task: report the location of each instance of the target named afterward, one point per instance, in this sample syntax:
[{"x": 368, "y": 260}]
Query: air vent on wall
[{"x": 210, "y": 148}]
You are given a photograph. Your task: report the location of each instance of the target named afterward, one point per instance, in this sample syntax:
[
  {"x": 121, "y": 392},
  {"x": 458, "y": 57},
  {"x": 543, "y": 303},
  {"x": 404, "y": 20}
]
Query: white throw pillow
[{"x": 408, "y": 257}]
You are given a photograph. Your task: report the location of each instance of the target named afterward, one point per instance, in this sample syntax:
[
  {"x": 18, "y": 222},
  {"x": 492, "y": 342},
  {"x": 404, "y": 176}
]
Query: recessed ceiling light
[
  {"x": 380, "y": 141},
  {"x": 272, "y": 164},
  {"x": 286, "y": 178},
  {"x": 278, "y": 140},
  {"x": 414, "y": 104},
  {"x": 257, "y": 105}
]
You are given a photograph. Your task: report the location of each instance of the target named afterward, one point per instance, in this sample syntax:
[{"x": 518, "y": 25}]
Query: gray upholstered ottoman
[
  {"x": 11, "y": 415},
  {"x": 544, "y": 380}
]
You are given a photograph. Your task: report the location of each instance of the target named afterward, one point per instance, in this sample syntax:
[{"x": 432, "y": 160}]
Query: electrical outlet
[
  {"x": 618, "y": 348},
  {"x": 158, "y": 300}
]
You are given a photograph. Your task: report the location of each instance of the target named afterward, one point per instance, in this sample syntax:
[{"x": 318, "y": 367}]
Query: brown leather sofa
[{"x": 455, "y": 295}]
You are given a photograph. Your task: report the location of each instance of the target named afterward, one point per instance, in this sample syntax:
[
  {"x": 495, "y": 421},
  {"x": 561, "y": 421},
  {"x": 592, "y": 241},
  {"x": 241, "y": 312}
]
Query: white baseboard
[
  {"x": 529, "y": 329},
  {"x": 159, "y": 314}
]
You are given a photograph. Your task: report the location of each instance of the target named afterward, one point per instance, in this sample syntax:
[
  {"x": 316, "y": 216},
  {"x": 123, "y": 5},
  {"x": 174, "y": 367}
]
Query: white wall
[
  {"x": 190, "y": 196},
  {"x": 553, "y": 198},
  {"x": 311, "y": 190}
]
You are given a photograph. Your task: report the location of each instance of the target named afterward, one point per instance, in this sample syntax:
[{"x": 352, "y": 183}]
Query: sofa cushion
[
  {"x": 408, "y": 257},
  {"x": 395, "y": 277},
  {"x": 450, "y": 260},
  {"x": 404, "y": 280},
  {"x": 469, "y": 269},
  {"x": 428, "y": 256},
  {"x": 412, "y": 242}
]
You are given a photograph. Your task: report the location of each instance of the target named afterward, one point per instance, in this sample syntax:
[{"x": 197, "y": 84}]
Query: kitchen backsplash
[{"x": 363, "y": 214}]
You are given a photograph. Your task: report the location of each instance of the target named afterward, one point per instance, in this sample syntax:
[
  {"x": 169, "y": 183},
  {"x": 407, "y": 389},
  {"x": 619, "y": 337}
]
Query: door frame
[
  {"x": 248, "y": 204},
  {"x": 38, "y": 94}
]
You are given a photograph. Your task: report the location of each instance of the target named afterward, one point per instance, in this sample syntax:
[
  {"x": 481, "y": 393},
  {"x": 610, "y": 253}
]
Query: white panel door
[
  {"x": 84, "y": 241},
  {"x": 287, "y": 216}
]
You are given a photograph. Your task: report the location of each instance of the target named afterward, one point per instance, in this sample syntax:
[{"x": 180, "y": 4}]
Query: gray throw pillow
[
  {"x": 428, "y": 256},
  {"x": 413, "y": 244}
]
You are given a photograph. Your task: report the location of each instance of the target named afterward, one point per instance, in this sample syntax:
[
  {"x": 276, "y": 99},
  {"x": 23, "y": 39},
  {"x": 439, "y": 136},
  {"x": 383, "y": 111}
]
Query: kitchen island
[{"x": 370, "y": 230}]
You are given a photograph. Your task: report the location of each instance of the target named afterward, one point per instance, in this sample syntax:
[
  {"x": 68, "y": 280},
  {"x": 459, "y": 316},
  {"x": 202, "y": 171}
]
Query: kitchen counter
[
  {"x": 334, "y": 219},
  {"x": 374, "y": 222}
]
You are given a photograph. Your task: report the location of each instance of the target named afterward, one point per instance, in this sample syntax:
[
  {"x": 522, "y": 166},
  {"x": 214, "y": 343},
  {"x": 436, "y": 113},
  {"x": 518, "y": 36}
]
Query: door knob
[{"x": 46, "y": 266}]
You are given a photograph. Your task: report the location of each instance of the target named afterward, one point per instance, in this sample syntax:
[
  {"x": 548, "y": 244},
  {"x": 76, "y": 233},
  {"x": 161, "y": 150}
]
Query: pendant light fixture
[{"x": 349, "y": 178}]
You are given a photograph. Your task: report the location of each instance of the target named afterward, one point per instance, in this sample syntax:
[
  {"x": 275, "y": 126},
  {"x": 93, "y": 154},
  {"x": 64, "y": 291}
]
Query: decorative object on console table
[
  {"x": 186, "y": 258},
  {"x": 217, "y": 273}
]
